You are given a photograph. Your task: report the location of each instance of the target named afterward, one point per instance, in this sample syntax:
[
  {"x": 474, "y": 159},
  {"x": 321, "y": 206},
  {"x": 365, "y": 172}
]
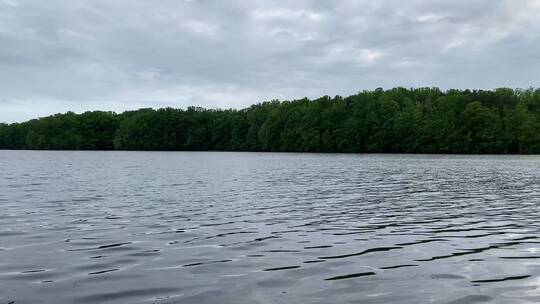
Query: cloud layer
[{"x": 115, "y": 55}]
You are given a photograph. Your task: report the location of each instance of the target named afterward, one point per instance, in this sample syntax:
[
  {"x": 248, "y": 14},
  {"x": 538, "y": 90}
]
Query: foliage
[{"x": 422, "y": 120}]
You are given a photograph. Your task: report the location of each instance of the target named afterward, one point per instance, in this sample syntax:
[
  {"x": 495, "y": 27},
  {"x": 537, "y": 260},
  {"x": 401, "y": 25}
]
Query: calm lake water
[{"x": 192, "y": 227}]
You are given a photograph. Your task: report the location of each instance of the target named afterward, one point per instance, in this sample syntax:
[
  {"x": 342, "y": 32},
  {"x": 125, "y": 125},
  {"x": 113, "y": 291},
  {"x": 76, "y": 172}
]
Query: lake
[{"x": 223, "y": 227}]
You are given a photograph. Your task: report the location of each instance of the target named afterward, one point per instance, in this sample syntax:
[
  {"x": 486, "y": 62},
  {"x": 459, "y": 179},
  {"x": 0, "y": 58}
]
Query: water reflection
[{"x": 128, "y": 227}]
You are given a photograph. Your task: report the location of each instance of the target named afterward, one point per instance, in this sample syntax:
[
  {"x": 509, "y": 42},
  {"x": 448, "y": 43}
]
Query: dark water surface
[{"x": 180, "y": 227}]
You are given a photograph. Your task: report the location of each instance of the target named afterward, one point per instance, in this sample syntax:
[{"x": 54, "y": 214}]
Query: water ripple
[{"x": 126, "y": 227}]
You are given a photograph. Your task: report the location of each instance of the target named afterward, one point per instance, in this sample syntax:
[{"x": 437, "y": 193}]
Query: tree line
[{"x": 417, "y": 120}]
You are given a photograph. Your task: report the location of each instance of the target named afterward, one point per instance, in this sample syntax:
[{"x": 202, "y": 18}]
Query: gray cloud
[{"x": 117, "y": 55}]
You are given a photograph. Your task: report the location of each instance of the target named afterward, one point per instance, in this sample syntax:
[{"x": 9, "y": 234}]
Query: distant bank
[{"x": 422, "y": 120}]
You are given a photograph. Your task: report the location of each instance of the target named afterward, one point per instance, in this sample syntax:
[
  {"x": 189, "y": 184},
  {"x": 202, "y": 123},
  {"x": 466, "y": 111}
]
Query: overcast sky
[{"x": 59, "y": 55}]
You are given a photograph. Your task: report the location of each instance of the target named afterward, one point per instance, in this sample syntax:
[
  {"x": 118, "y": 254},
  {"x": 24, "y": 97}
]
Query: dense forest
[{"x": 422, "y": 120}]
